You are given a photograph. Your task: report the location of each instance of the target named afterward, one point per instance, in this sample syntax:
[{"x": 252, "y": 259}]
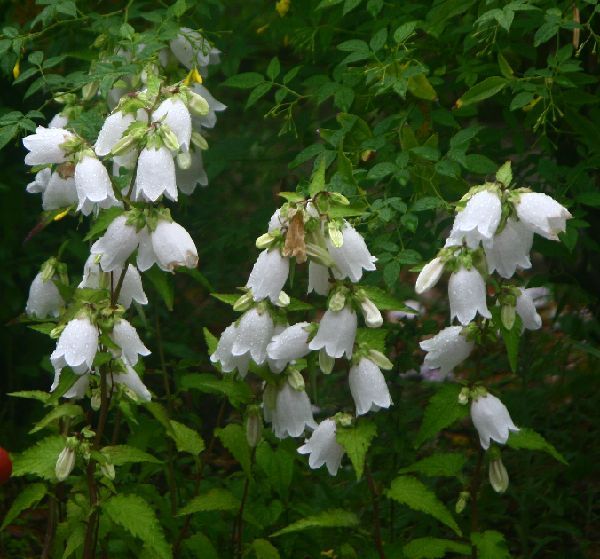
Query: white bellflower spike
[
  {"x": 447, "y": 349},
  {"x": 352, "y": 257},
  {"x": 323, "y": 448},
  {"x": 127, "y": 338},
  {"x": 44, "y": 298},
  {"x": 254, "y": 332},
  {"x": 155, "y": 175},
  {"x": 542, "y": 214},
  {"x": 466, "y": 291},
  {"x": 368, "y": 387},
  {"x": 93, "y": 185},
  {"x": 291, "y": 343},
  {"x": 176, "y": 116},
  {"x": 112, "y": 131},
  {"x": 44, "y": 146},
  {"x": 224, "y": 356},
  {"x": 269, "y": 275},
  {"x": 292, "y": 413},
  {"x": 173, "y": 246},
  {"x": 479, "y": 219},
  {"x": 526, "y": 310},
  {"x": 336, "y": 334},
  {"x": 116, "y": 245},
  {"x": 492, "y": 420},
  {"x": 214, "y": 106},
  {"x": 429, "y": 275},
  {"x": 318, "y": 278},
  {"x": 509, "y": 250},
  {"x": 77, "y": 346}
]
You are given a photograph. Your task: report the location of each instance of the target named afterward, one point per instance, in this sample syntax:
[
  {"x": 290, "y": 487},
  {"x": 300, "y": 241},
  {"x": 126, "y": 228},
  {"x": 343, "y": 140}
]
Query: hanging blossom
[
  {"x": 491, "y": 419},
  {"x": 368, "y": 387},
  {"x": 350, "y": 254},
  {"x": 447, "y": 349},
  {"x": 336, "y": 333},
  {"x": 323, "y": 448},
  {"x": 269, "y": 275},
  {"x": 44, "y": 298},
  {"x": 292, "y": 412}
]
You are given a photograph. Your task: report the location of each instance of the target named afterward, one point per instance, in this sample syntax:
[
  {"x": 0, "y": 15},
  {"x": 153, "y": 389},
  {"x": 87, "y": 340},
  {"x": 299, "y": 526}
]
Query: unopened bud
[
  {"x": 296, "y": 380},
  {"x": 184, "y": 160},
  {"x": 169, "y": 138},
  {"x": 283, "y": 300},
  {"x": 254, "y": 426},
  {"x": 123, "y": 145},
  {"x": 461, "y": 504},
  {"x": 89, "y": 90},
  {"x": 95, "y": 400},
  {"x": 197, "y": 104},
  {"x": 371, "y": 313},
  {"x": 243, "y": 303},
  {"x": 463, "y": 396},
  {"x": 65, "y": 463},
  {"x": 326, "y": 362},
  {"x": 265, "y": 241},
  {"x": 498, "y": 475},
  {"x": 199, "y": 141},
  {"x": 108, "y": 470},
  {"x": 508, "y": 315}
]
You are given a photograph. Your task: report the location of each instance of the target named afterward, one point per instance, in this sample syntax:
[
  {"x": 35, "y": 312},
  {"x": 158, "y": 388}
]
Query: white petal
[
  {"x": 39, "y": 184},
  {"x": 492, "y": 420},
  {"x": 132, "y": 288},
  {"x": 155, "y": 175},
  {"x": 526, "y": 310},
  {"x": 429, "y": 275},
  {"x": 173, "y": 246},
  {"x": 269, "y": 275},
  {"x": 214, "y": 106},
  {"x": 116, "y": 245},
  {"x": 44, "y": 298},
  {"x": 59, "y": 193},
  {"x": 44, "y": 146},
  {"x": 337, "y": 331},
  {"x": 291, "y": 343},
  {"x": 254, "y": 333},
  {"x": 352, "y": 257},
  {"x": 318, "y": 278},
  {"x": 466, "y": 291},
  {"x": 323, "y": 447},
  {"x": 292, "y": 413},
  {"x": 126, "y": 336},
  {"x": 447, "y": 349},
  {"x": 175, "y": 115},
  {"x": 542, "y": 214},
  {"x": 77, "y": 345},
  {"x": 509, "y": 249},
  {"x": 368, "y": 387},
  {"x": 145, "y": 256},
  {"x": 479, "y": 219},
  {"x": 92, "y": 183},
  {"x": 112, "y": 131}
]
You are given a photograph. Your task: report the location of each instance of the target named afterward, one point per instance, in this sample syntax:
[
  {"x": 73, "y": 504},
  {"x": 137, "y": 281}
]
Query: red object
[{"x": 5, "y": 466}]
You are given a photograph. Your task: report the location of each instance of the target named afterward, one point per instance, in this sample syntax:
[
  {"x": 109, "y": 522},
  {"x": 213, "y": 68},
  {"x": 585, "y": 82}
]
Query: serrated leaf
[
  {"x": 264, "y": 549},
  {"x": 385, "y": 301},
  {"x": 105, "y": 218},
  {"x": 237, "y": 392},
  {"x": 427, "y": 203},
  {"x": 65, "y": 410},
  {"x": 30, "y": 496},
  {"x": 40, "y": 459},
  {"x": 160, "y": 414},
  {"x": 441, "y": 412},
  {"x": 186, "y": 439},
  {"x": 449, "y": 464},
  {"x": 483, "y": 90},
  {"x": 434, "y": 548},
  {"x": 529, "y": 439},
  {"x": 317, "y": 181},
  {"x": 409, "y": 491},
  {"x": 373, "y": 338},
  {"x": 124, "y": 454},
  {"x": 490, "y": 545},
  {"x": 278, "y": 465},
  {"x": 234, "y": 440},
  {"x": 211, "y": 340},
  {"x": 137, "y": 517},
  {"x": 356, "y": 441},
  {"x": 215, "y": 499},
  {"x": 334, "y": 518}
]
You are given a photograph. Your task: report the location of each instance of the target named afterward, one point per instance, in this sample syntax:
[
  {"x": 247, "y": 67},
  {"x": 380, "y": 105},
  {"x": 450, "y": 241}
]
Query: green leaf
[
  {"x": 233, "y": 438},
  {"x": 411, "y": 492},
  {"x": 264, "y": 549},
  {"x": 443, "y": 464},
  {"x": 200, "y": 546},
  {"x": 427, "y": 203},
  {"x": 545, "y": 33},
  {"x": 504, "y": 174},
  {"x": 441, "y": 412},
  {"x": 384, "y": 301},
  {"x": 229, "y": 298},
  {"x": 490, "y": 545},
  {"x": 334, "y": 518},
  {"x": 30, "y": 496},
  {"x": 31, "y": 394},
  {"x": 373, "y": 338},
  {"x": 124, "y": 454},
  {"x": 247, "y": 80},
  {"x": 236, "y": 391},
  {"x": 355, "y": 441},
  {"x": 483, "y": 90},
  {"x": 186, "y": 439},
  {"x": 479, "y": 164},
  {"x": 531, "y": 440},
  {"x": 278, "y": 466},
  {"x": 137, "y": 517},
  {"x": 65, "y": 410},
  {"x": 520, "y": 100},
  {"x": 349, "y": 5},
  {"x": 259, "y": 91},
  {"x": 160, "y": 414},
  {"x": 511, "y": 337},
  {"x": 105, "y": 218},
  {"x": 591, "y": 199},
  {"x": 211, "y": 340},
  {"x": 421, "y": 87},
  {"x": 504, "y": 66},
  {"x": 434, "y": 548},
  {"x": 404, "y": 31},
  {"x": 75, "y": 540},
  {"x": 163, "y": 285},
  {"x": 317, "y": 181},
  {"x": 7, "y": 133},
  {"x": 274, "y": 68},
  {"x": 40, "y": 459},
  {"x": 215, "y": 499}
]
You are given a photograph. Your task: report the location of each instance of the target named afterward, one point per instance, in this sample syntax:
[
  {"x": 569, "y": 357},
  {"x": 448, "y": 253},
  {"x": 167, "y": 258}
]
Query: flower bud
[
  {"x": 169, "y": 138},
  {"x": 283, "y": 300},
  {"x": 199, "y": 141},
  {"x": 463, "y": 498},
  {"x": 123, "y": 145},
  {"x": 336, "y": 236},
  {"x": 197, "y": 104},
  {"x": 108, "y": 470},
  {"x": 326, "y": 362},
  {"x": 184, "y": 160},
  {"x": 243, "y": 303},
  {"x": 508, "y": 314},
  {"x": 89, "y": 90},
  {"x": 95, "y": 400},
  {"x": 254, "y": 426},
  {"x": 498, "y": 475},
  {"x": 371, "y": 313},
  {"x": 463, "y": 396},
  {"x": 65, "y": 463},
  {"x": 265, "y": 241},
  {"x": 380, "y": 360},
  {"x": 295, "y": 379}
]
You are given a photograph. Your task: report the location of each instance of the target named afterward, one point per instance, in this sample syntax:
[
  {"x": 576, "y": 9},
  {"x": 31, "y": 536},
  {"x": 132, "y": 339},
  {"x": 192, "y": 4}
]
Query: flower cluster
[{"x": 304, "y": 231}]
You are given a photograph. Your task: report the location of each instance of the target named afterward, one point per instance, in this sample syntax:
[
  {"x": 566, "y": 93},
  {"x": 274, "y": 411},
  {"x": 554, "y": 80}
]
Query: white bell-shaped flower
[
  {"x": 492, "y": 420},
  {"x": 127, "y": 338},
  {"x": 466, "y": 291},
  {"x": 40, "y": 182},
  {"x": 93, "y": 185},
  {"x": 371, "y": 314},
  {"x": 446, "y": 349},
  {"x": 542, "y": 214},
  {"x": 224, "y": 356},
  {"x": 176, "y": 116},
  {"x": 79, "y": 388},
  {"x": 323, "y": 448},
  {"x": 114, "y": 128},
  {"x": 132, "y": 288},
  {"x": 116, "y": 245},
  {"x": 509, "y": 250},
  {"x": 318, "y": 278},
  {"x": 269, "y": 275},
  {"x": 291, "y": 343},
  {"x": 277, "y": 221},
  {"x": 59, "y": 120},
  {"x": 155, "y": 175},
  {"x": 292, "y": 413},
  {"x": 336, "y": 334},
  {"x": 254, "y": 332},
  {"x": 368, "y": 387},
  {"x": 192, "y": 49},
  {"x": 479, "y": 219},
  {"x": 59, "y": 193},
  {"x": 44, "y": 298},
  {"x": 526, "y": 310},
  {"x": 77, "y": 346},
  {"x": 352, "y": 257},
  {"x": 429, "y": 275},
  {"x": 277, "y": 365},
  {"x": 44, "y": 146},
  {"x": 214, "y": 106},
  {"x": 194, "y": 175},
  {"x": 169, "y": 246}
]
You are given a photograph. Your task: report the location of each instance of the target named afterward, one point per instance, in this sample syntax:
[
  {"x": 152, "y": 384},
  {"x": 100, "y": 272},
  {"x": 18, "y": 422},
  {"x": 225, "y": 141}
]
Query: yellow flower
[
  {"x": 17, "y": 69},
  {"x": 282, "y": 7}
]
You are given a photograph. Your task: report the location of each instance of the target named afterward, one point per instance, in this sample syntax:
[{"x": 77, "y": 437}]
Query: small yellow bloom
[
  {"x": 16, "y": 71},
  {"x": 59, "y": 216},
  {"x": 282, "y": 7},
  {"x": 193, "y": 76}
]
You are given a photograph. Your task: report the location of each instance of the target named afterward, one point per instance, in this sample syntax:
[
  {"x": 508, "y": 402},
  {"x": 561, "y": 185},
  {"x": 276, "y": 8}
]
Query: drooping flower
[
  {"x": 269, "y": 275},
  {"x": 65, "y": 463},
  {"x": 40, "y": 182},
  {"x": 188, "y": 179},
  {"x": 59, "y": 120},
  {"x": 45, "y": 146},
  {"x": 352, "y": 257},
  {"x": 113, "y": 129},
  {"x": 214, "y": 106},
  {"x": 509, "y": 249},
  {"x": 291, "y": 343},
  {"x": 44, "y": 298},
  {"x": 116, "y": 245},
  {"x": 168, "y": 246},
  {"x": 446, "y": 349},
  {"x": 491, "y": 419},
  {"x": 542, "y": 214},
  {"x": 292, "y": 413},
  {"x": 498, "y": 475},
  {"x": 77, "y": 346},
  {"x": 59, "y": 193},
  {"x": 323, "y": 448},
  {"x": 192, "y": 49},
  {"x": 466, "y": 291},
  {"x": 318, "y": 278},
  {"x": 526, "y": 310},
  {"x": 371, "y": 314},
  {"x": 479, "y": 219},
  {"x": 368, "y": 387},
  {"x": 127, "y": 338},
  {"x": 253, "y": 334},
  {"x": 155, "y": 175},
  {"x": 132, "y": 382},
  {"x": 93, "y": 185},
  {"x": 224, "y": 356},
  {"x": 176, "y": 116},
  {"x": 336, "y": 334},
  {"x": 429, "y": 275}
]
